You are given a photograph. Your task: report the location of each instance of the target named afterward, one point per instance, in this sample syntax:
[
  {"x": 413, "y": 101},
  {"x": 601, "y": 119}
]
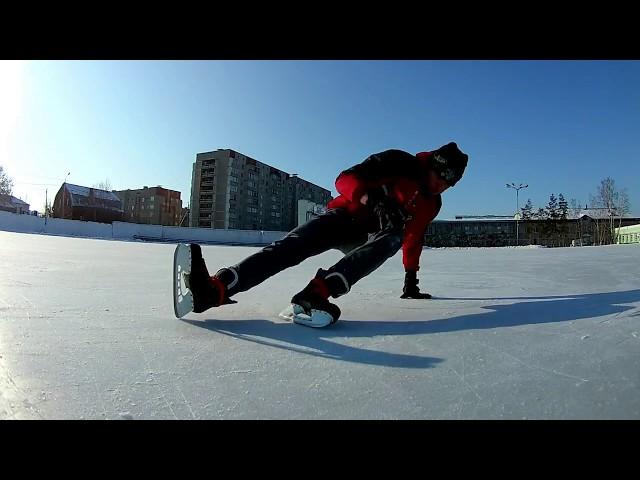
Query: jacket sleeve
[
  {"x": 427, "y": 210},
  {"x": 373, "y": 172}
]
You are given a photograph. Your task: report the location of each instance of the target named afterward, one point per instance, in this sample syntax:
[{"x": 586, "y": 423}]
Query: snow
[{"x": 87, "y": 331}]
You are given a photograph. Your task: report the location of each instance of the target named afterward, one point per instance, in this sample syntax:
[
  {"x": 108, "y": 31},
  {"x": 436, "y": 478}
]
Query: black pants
[{"x": 365, "y": 246}]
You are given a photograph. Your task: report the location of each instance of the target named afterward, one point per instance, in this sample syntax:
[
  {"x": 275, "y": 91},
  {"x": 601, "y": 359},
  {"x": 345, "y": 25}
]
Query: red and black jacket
[{"x": 405, "y": 176}]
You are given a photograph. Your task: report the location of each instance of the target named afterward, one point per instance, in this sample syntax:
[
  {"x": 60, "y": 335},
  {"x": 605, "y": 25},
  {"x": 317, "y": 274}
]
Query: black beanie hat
[{"x": 449, "y": 162}]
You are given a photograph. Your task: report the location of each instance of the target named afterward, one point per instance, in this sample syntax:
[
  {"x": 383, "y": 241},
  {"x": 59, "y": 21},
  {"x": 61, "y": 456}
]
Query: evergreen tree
[
  {"x": 563, "y": 213},
  {"x": 563, "y": 207},
  {"x": 552, "y": 207},
  {"x": 527, "y": 211}
]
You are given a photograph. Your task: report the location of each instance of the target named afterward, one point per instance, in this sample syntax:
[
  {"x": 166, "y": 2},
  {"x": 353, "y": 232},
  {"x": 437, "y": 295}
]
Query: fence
[{"x": 132, "y": 231}]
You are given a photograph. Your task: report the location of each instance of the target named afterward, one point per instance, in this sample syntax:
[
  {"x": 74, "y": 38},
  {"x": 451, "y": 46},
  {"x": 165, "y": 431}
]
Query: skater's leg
[
  {"x": 362, "y": 260},
  {"x": 330, "y": 230},
  {"x": 313, "y": 299}
]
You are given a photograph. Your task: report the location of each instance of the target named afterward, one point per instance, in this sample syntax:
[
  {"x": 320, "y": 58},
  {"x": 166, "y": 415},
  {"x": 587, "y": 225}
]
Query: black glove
[
  {"x": 389, "y": 213},
  {"x": 411, "y": 289}
]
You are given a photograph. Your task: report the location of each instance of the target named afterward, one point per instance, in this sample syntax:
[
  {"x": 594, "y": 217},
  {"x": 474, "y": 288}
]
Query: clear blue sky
[{"x": 560, "y": 126}]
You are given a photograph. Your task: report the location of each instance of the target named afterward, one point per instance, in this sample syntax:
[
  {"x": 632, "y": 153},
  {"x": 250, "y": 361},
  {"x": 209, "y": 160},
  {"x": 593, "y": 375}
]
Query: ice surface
[{"x": 87, "y": 330}]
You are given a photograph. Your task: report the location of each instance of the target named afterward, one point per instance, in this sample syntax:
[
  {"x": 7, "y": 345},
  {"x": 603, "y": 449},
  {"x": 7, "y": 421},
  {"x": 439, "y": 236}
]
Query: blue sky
[{"x": 559, "y": 126}]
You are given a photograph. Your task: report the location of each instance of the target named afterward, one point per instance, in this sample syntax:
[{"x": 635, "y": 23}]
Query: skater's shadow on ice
[
  {"x": 313, "y": 341},
  {"x": 536, "y": 310},
  {"x": 524, "y": 311}
]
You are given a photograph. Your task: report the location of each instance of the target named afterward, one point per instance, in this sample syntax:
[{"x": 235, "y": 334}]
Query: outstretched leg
[{"x": 325, "y": 232}]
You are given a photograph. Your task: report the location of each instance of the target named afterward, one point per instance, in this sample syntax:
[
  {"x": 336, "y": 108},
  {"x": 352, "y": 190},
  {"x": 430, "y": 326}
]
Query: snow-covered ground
[{"x": 87, "y": 331}]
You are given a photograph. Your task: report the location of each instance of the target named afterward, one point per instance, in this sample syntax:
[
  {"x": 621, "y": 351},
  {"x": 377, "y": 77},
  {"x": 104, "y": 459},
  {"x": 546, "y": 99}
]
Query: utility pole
[{"x": 517, "y": 189}]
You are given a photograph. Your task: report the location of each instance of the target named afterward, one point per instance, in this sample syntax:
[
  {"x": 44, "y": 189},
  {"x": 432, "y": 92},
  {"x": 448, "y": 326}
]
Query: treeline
[{"x": 559, "y": 221}]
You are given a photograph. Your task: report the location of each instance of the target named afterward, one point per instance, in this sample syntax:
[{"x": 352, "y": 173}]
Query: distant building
[
  {"x": 230, "y": 190},
  {"x": 628, "y": 234},
  {"x": 9, "y": 203},
  {"x": 499, "y": 231},
  {"x": 75, "y": 202},
  {"x": 307, "y": 200},
  {"x": 151, "y": 206}
]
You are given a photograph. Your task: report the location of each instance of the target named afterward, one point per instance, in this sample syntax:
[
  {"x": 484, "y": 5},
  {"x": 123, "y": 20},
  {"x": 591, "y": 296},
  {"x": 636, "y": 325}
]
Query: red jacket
[{"x": 405, "y": 176}]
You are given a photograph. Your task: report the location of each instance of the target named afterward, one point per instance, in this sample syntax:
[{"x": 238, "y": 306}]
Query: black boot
[
  {"x": 314, "y": 297},
  {"x": 207, "y": 291},
  {"x": 411, "y": 289}
]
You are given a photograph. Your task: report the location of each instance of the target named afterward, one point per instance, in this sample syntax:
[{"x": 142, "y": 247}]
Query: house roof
[
  {"x": 9, "y": 201},
  {"x": 93, "y": 197}
]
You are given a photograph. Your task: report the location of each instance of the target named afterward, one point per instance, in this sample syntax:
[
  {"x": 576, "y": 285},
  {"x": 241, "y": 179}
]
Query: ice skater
[{"x": 385, "y": 203}]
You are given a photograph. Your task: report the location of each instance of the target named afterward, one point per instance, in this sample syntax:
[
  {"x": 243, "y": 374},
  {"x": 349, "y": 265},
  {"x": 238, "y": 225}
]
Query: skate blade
[
  {"x": 182, "y": 297},
  {"x": 291, "y": 311},
  {"x": 296, "y": 314}
]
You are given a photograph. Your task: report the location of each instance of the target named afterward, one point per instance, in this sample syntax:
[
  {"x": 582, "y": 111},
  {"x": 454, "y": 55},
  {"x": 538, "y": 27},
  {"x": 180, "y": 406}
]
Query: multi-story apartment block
[
  {"x": 230, "y": 190},
  {"x": 153, "y": 206}
]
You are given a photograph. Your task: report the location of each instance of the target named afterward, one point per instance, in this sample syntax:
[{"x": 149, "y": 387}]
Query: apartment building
[
  {"x": 151, "y": 206},
  {"x": 230, "y": 190}
]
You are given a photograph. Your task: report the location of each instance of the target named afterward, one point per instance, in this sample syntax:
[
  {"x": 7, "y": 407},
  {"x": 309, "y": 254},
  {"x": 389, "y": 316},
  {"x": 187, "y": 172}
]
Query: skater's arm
[
  {"x": 415, "y": 229},
  {"x": 375, "y": 171}
]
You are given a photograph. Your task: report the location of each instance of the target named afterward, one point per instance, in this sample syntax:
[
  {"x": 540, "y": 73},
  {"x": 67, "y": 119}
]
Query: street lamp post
[{"x": 517, "y": 189}]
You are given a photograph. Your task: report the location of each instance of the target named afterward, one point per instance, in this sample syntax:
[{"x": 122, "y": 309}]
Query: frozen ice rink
[{"x": 87, "y": 331}]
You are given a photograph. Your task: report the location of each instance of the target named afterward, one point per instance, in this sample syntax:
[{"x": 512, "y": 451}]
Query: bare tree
[
  {"x": 598, "y": 213},
  {"x": 104, "y": 185},
  {"x": 623, "y": 207},
  {"x": 6, "y": 183},
  {"x": 611, "y": 203}
]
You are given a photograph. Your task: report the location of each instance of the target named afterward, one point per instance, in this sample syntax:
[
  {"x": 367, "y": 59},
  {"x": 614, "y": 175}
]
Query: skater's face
[{"x": 436, "y": 183}]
